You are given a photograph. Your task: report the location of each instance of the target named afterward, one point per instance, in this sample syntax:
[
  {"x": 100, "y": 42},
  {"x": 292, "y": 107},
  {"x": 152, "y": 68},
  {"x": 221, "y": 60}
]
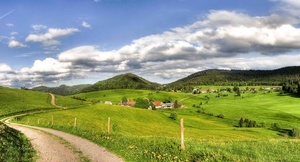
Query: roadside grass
[{"x": 14, "y": 146}]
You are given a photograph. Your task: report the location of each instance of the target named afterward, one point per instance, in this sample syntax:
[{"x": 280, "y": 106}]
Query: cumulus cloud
[
  {"x": 86, "y": 25},
  {"x": 49, "y": 38},
  {"x": 290, "y": 7},
  {"x": 4, "y": 68},
  {"x": 224, "y": 39},
  {"x": 16, "y": 44}
]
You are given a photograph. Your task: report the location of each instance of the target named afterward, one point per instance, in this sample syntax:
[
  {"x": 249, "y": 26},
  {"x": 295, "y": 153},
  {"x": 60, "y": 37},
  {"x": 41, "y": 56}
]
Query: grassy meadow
[
  {"x": 14, "y": 101},
  {"x": 145, "y": 135}
]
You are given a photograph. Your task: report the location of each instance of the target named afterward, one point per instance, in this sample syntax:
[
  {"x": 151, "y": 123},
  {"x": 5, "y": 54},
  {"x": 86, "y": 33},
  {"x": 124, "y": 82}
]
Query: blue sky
[{"x": 53, "y": 42}]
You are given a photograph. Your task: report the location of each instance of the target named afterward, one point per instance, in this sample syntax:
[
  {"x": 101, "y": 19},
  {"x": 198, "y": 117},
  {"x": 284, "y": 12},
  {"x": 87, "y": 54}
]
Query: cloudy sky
[{"x": 53, "y": 42}]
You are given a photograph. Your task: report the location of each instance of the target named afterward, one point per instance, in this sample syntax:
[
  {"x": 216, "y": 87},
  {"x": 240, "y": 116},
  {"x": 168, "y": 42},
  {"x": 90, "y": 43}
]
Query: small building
[
  {"x": 108, "y": 102},
  {"x": 130, "y": 103},
  {"x": 169, "y": 105},
  {"x": 157, "y": 104}
]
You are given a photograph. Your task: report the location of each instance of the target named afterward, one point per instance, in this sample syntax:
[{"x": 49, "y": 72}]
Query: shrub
[
  {"x": 275, "y": 126},
  {"x": 295, "y": 132},
  {"x": 220, "y": 116},
  {"x": 173, "y": 115}
]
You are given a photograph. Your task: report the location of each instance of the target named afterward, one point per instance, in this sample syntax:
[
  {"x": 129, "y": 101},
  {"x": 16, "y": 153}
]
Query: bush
[
  {"x": 173, "y": 115},
  {"x": 220, "y": 116},
  {"x": 295, "y": 132},
  {"x": 275, "y": 126}
]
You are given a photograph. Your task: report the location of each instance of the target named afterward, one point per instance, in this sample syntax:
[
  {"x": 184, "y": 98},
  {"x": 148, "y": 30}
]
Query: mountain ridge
[{"x": 205, "y": 77}]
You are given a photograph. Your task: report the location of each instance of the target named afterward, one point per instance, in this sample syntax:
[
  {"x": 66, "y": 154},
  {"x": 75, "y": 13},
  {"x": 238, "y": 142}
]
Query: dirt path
[
  {"x": 53, "y": 101},
  {"x": 56, "y": 146},
  {"x": 51, "y": 148}
]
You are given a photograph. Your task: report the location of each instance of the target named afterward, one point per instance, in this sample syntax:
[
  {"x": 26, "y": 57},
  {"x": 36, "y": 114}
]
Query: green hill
[
  {"x": 16, "y": 101},
  {"x": 62, "y": 90},
  {"x": 124, "y": 81},
  {"x": 239, "y": 77}
]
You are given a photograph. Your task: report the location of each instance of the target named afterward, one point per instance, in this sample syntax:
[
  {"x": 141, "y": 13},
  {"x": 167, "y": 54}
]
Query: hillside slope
[
  {"x": 124, "y": 81},
  {"x": 16, "y": 101},
  {"x": 239, "y": 77},
  {"x": 62, "y": 90}
]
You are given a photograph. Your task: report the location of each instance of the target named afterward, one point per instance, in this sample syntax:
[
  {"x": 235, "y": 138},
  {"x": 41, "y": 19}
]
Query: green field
[
  {"x": 140, "y": 134},
  {"x": 17, "y": 101}
]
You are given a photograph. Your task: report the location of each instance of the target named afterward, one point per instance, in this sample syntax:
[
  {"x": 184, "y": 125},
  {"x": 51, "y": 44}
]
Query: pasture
[{"x": 141, "y": 134}]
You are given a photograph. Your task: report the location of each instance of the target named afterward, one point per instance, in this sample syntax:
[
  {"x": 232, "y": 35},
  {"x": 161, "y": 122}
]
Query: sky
[{"x": 54, "y": 42}]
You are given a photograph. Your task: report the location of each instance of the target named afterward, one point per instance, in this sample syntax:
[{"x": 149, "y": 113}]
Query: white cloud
[
  {"x": 290, "y": 7},
  {"x": 15, "y": 44},
  {"x": 50, "y": 65},
  {"x": 4, "y": 68},
  {"x": 86, "y": 25},
  {"x": 49, "y": 38},
  {"x": 38, "y": 27},
  {"x": 292, "y": 2}
]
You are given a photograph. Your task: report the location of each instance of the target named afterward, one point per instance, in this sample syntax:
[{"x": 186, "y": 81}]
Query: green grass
[
  {"x": 68, "y": 102},
  {"x": 143, "y": 135},
  {"x": 14, "y": 146},
  {"x": 17, "y": 101}
]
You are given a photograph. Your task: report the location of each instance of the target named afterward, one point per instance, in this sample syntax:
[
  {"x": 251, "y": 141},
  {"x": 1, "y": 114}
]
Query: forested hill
[
  {"x": 239, "y": 77},
  {"x": 62, "y": 90},
  {"x": 124, "y": 81}
]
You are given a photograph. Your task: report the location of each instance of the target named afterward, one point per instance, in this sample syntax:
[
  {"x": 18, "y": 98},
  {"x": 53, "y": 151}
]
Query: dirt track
[{"x": 56, "y": 146}]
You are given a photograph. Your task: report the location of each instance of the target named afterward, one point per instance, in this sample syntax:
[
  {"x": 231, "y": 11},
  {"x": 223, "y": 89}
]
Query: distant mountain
[
  {"x": 124, "y": 81},
  {"x": 62, "y": 90},
  {"x": 238, "y": 77}
]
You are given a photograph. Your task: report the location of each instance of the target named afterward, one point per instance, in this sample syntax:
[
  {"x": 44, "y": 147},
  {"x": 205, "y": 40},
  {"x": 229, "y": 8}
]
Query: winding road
[{"x": 56, "y": 146}]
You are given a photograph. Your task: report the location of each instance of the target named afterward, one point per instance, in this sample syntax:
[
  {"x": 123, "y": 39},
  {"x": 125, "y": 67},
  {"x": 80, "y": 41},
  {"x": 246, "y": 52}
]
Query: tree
[
  {"x": 241, "y": 122},
  {"x": 176, "y": 104},
  {"x": 124, "y": 100},
  {"x": 173, "y": 115},
  {"x": 142, "y": 103}
]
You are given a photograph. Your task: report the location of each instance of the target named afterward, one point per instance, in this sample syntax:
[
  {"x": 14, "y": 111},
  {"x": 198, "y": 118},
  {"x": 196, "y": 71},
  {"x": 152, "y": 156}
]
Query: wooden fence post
[
  {"x": 182, "y": 134},
  {"x": 108, "y": 125}
]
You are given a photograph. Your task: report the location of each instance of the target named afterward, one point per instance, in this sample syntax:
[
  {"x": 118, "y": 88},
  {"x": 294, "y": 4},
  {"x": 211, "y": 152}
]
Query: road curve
[
  {"x": 53, "y": 101},
  {"x": 50, "y": 148}
]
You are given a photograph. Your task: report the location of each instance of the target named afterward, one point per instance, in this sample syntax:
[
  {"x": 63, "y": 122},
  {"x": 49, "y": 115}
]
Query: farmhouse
[
  {"x": 157, "y": 104},
  {"x": 169, "y": 105}
]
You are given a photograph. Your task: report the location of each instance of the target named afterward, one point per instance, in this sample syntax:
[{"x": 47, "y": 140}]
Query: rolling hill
[
  {"x": 239, "y": 77},
  {"x": 14, "y": 101},
  {"x": 124, "y": 81},
  {"x": 206, "y": 77},
  {"x": 62, "y": 90}
]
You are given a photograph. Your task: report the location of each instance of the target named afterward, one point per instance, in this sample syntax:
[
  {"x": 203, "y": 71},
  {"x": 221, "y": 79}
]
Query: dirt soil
[{"x": 56, "y": 146}]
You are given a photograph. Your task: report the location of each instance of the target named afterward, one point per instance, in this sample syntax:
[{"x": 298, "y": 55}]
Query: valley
[{"x": 221, "y": 122}]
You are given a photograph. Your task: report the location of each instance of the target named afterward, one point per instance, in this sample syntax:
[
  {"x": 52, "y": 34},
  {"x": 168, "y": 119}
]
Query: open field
[
  {"x": 140, "y": 134},
  {"x": 18, "y": 101}
]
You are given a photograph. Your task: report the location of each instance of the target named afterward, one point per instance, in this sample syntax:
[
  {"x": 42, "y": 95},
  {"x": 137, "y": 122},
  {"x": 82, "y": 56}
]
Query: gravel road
[{"x": 57, "y": 146}]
